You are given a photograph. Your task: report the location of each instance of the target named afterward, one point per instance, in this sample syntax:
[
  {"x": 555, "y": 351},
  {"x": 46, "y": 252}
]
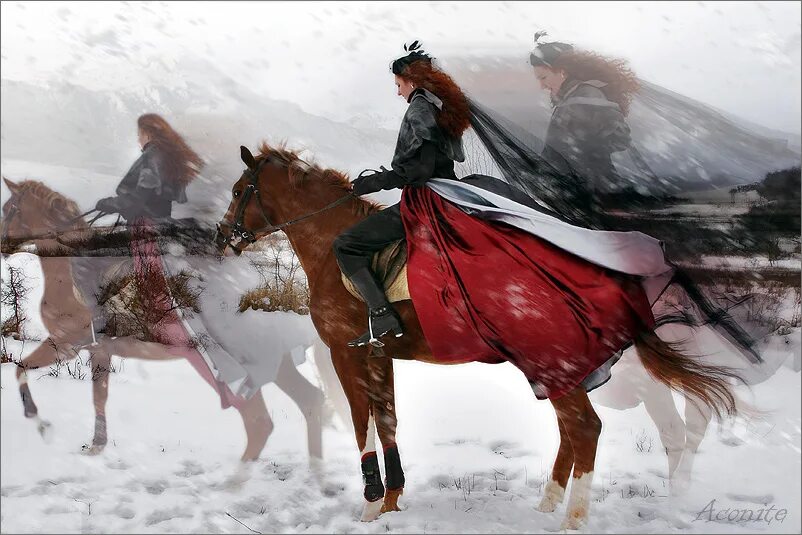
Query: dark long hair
[
  {"x": 181, "y": 162},
  {"x": 455, "y": 117},
  {"x": 622, "y": 84}
]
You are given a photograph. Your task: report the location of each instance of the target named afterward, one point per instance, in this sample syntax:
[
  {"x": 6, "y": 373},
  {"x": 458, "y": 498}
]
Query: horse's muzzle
[{"x": 222, "y": 242}]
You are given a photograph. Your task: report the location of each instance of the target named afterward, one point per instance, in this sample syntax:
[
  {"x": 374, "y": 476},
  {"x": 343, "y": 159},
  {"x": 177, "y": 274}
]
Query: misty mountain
[
  {"x": 74, "y": 126},
  {"x": 691, "y": 143}
]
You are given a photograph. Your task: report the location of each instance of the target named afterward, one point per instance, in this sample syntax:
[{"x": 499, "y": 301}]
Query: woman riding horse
[
  {"x": 466, "y": 316},
  {"x": 429, "y": 142},
  {"x": 157, "y": 178}
]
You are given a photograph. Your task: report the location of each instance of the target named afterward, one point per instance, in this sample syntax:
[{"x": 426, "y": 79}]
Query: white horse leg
[
  {"x": 308, "y": 398},
  {"x": 258, "y": 426},
  {"x": 697, "y": 418},
  {"x": 660, "y": 405},
  {"x": 331, "y": 383}
]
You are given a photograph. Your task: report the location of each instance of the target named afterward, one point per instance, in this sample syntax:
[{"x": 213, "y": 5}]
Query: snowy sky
[{"x": 332, "y": 58}]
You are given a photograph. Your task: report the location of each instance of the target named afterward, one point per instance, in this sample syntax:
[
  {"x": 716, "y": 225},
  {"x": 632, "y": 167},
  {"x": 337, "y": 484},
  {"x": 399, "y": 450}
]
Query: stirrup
[{"x": 372, "y": 337}]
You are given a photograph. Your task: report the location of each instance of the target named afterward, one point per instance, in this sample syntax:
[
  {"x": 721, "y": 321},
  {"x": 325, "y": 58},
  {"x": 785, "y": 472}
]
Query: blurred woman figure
[
  {"x": 158, "y": 177},
  {"x": 591, "y": 95}
]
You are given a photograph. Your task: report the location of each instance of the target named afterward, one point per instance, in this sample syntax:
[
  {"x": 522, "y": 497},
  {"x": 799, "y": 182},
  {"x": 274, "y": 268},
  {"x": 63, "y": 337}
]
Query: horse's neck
[
  {"x": 57, "y": 273},
  {"x": 312, "y": 240}
]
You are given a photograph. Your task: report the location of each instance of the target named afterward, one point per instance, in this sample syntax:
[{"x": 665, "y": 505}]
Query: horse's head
[
  {"x": 33, "y": 209},
  {"x": 248, "y": 217},
  {"x": 278, "y": 190}
]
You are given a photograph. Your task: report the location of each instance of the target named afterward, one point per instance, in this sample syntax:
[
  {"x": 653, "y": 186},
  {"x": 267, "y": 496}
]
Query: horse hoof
[
  {"x": 573, "y": 522},
  {"x": 390, "y": 502},
  {"x": 371, "y": 511},
  {"x": 45, "y": 429},
  {"x": 546, "y": 505},
  {"x": 679, "y": 485},
  {"x": 94, "y": 449},
  {"x": 552, "y": 497}
]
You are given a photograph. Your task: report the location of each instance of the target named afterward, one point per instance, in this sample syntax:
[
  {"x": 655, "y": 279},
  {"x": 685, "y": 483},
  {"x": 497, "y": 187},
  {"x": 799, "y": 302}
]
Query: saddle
[{"x": 390, "y": 268}]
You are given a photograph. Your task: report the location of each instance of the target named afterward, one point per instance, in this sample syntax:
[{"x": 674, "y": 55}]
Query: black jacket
[
  {"x": 145, "y": 191},
  {"x": 585, "y": 129},
  {"x": 423, "y": 150}
]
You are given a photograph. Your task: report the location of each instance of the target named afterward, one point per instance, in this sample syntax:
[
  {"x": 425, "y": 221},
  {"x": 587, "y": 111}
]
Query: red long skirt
[{"x": 489, "y": 292}]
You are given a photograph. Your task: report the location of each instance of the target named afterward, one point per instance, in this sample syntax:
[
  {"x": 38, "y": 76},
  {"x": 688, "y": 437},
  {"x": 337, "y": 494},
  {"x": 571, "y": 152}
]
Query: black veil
[{"x": 498, "y": 160}]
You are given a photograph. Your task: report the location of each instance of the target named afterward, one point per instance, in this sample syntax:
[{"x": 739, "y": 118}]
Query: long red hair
[
  {"x": 622, "y": 84},
  {"x": 454, "y": 118},
  {"x": 181, "y": 162}
]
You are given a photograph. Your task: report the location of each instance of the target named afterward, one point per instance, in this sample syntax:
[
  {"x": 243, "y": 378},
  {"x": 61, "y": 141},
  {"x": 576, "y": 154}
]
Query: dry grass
[
  {"x": 284, "y": 287},
  {"x": 288, "y": 298}
]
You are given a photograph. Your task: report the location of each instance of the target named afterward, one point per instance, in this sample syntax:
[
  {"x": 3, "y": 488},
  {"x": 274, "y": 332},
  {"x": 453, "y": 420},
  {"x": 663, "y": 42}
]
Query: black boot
[{"x": 382, "y": 317}]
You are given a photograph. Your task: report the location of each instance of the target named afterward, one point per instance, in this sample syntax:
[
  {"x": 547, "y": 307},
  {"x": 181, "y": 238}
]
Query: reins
[
  {"x": 239, "y": 232},
  {"x": 57, "y": 233}
]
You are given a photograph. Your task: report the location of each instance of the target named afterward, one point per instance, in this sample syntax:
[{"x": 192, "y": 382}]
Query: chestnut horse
[
  {"x": 278, "y": 191},
  {"x": 34, "y": 209}
]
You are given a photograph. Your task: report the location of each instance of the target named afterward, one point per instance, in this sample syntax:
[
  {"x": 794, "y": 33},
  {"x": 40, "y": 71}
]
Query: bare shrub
[
  {"x": 643, "y": 442},
  {"x": 14, "y": 292},
  {"x": 284, "y": 287}
]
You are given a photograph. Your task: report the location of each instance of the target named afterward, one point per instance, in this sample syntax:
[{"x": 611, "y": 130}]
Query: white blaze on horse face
[{"x": 370, "y": 440}]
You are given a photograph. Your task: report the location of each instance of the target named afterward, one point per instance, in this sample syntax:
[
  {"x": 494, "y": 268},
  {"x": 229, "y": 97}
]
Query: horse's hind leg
[
  {"x": 660, "y": 405},
  {"x": 258, "y": 426},
  {"x": 101, "y": 366},
  {"x": 555, "y": 489},
  {"x": 46, "y": 354},
  {"x": 583, "y": 427},
  {"x": 308, "y": 398},
  {"x": 697, "y": 418},
  {"x": 383, "y": 403}
]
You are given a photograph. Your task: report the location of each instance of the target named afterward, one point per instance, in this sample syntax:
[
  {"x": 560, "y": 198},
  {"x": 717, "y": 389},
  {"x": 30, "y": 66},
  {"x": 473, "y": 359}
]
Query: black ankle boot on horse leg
[{"x": 382, "y": 317}]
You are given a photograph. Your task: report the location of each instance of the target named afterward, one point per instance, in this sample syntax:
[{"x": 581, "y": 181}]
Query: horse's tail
[{"x": 667, "y": 363}]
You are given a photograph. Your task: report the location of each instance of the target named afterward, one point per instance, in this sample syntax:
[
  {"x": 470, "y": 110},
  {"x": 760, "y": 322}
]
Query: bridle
[
  {"x": 14, "y": 211},
  {"x": 238, "y": 232}
]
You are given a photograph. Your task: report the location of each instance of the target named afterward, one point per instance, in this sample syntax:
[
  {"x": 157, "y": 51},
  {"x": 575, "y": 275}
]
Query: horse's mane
[
  {"x": 51, "y": 201},
  {"x": 300, "y": 172}
]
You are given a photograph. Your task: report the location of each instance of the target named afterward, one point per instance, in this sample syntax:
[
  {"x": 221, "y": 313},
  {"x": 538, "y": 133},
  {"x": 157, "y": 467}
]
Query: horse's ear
[
  {"x": 11, "y": 185},
  {"x": 247, "y": 157}
]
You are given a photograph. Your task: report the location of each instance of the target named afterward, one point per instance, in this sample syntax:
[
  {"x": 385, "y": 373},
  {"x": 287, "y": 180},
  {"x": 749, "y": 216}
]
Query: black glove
[
  {"x": 367, "y": 182},
  {"x": 107, "y": 205},
  {"x": 376, "y": 181}
]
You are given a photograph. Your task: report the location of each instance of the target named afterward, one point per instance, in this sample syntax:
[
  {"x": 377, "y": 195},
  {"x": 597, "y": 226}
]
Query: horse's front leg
[
  {"x": 101, "y": 366},
  {"x": 383, "y": 408}
]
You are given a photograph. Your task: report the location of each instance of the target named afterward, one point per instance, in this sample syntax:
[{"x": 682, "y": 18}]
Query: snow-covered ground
[{"x": 475, "y": 444}]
